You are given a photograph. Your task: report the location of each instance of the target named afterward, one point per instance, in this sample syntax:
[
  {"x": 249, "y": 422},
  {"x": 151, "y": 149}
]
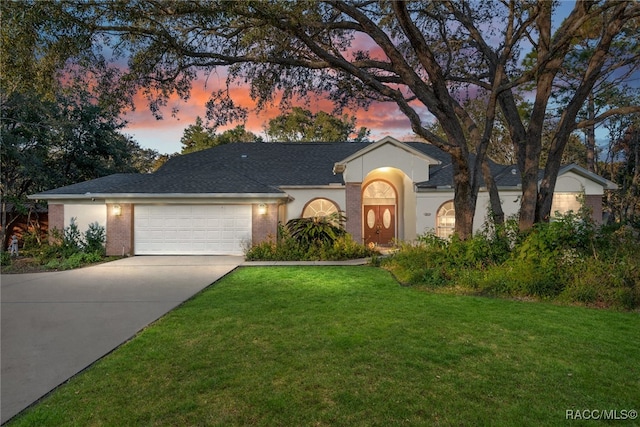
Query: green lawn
[{"x": 332, "y": 346}]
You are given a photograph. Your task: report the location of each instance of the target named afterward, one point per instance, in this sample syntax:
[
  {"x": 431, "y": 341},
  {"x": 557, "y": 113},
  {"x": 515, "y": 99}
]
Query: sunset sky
[{"x": 164, "y": 135}]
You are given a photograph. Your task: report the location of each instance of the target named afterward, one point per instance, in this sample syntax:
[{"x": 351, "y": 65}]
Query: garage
[{"x": 191, "y": 229}]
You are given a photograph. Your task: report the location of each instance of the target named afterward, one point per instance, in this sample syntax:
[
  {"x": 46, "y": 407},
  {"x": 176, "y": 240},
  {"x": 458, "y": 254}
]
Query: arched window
[
  {"x": 379, "y": 191},
  {"x": 446, "y": 220},
  {"x": 319, "y": 207}
]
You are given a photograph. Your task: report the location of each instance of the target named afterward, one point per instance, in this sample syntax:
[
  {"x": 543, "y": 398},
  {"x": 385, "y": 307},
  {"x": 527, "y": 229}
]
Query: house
[{"x": 220, "y": 200}]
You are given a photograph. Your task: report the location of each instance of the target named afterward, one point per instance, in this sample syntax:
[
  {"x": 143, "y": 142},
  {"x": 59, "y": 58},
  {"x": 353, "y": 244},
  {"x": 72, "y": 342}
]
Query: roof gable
[
  {"x": 388, "y": 152},
  {"x": 579, "y": 170},
  {"x": 339, "y": 166}
]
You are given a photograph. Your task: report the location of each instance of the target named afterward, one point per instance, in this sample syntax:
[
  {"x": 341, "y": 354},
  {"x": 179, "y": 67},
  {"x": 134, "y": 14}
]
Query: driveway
[{"x": 54, "y": 325}]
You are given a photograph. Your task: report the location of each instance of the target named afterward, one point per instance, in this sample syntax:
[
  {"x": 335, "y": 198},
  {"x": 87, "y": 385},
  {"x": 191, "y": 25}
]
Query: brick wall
[
  {"x": 56, "y": 218},
  {"x": 264, "y": 226},
  {"x": 120, "y": 230},
  {"x": 353, "y": 210},
  {"x": 594, "y": 203}
]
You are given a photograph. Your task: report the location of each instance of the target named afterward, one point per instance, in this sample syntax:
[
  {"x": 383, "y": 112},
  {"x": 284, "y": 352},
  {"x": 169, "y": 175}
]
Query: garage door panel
[{"x": 191, "y": 229}]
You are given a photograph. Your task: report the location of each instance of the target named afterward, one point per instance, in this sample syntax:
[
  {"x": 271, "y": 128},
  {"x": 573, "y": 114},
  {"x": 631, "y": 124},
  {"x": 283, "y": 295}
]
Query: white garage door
[{"x": 191, "y": 229}]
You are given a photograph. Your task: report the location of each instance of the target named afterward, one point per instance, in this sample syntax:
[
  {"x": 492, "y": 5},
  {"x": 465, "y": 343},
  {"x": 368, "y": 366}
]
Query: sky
[{"x": 382, "y": 119}]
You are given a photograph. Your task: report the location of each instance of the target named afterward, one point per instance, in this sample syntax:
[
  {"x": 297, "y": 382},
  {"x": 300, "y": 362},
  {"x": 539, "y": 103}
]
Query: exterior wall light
[
  {"x": 262, "y": 209},
  {"x": 117, "y": 210}
]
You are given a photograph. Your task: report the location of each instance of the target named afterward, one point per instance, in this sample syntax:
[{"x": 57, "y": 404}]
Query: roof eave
[{"x": 171, "y": 196}]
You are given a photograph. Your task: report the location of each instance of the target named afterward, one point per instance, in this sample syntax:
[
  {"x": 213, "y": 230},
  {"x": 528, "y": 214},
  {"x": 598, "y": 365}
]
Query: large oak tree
[{"x": 424, "y": 57}]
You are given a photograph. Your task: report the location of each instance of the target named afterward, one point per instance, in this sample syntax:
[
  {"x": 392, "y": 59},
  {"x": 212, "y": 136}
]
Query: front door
[{"x": 379, "y": 224}]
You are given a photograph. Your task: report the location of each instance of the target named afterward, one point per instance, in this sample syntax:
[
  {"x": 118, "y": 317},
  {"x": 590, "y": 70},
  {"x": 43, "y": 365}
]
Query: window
[
  {"x": 319, "y": 207},
  {"x": 379, "y": 190},
  {"x": 446, "y": 220}
]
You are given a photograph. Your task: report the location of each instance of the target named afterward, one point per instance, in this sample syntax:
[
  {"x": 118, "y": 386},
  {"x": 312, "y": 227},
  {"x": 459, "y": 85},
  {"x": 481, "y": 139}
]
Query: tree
[
  {"x": 196, "y": 137},
  {"x": 622, "y": 165},
  {"x": 609, "y": 95},
  {"x": 237, "y": 134},
  {"x": 300, "y": 125},
  {"x": 549, "y": 53},
  {"x": 48, "y": 144},
  {"x": 419, "y": 56}
]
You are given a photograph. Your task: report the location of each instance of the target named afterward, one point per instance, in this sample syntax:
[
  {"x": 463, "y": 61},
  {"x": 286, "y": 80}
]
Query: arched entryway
[{"x": 380, "y": 208}]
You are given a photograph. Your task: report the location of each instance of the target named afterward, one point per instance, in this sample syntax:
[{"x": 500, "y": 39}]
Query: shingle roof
[
  {"x": 273, "y": 164},
  {"x": 442, "y": 175},
  {"x": 230, "y": 168},
  {"x": 117, "y": 183},
  {"x": 259, "y": 168}
]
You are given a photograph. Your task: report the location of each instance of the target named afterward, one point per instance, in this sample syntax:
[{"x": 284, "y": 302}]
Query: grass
[{"x": 348, "y": 346}]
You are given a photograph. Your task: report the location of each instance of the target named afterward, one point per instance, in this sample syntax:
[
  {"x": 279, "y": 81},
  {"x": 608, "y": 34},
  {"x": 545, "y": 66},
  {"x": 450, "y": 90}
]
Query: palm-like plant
[{"x": 318, "y": 230}]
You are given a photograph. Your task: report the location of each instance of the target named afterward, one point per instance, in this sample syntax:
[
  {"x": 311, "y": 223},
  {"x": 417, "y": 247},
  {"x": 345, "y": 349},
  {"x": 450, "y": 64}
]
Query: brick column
[
  {"x": 264, "y": 226},
  {"x": 120, "y": 230},
  {"x": 353, "y": 195},
  {"x": 56, "y": 219},
  {"x": 594, "y": 202}
]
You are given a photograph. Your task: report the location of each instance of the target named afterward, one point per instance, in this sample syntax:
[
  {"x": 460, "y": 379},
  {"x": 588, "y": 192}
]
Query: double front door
[{"x": 379, "y": 224}]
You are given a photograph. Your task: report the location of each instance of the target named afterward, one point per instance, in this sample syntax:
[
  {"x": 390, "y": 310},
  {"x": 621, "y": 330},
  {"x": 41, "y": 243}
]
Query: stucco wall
[
  {"x": 427, "y": 205},
  {"x": 302, "y": 196},
  {"x": 85, "y": 214},
  {"x": 570, "y": 182},
  {"x": 387, "y": 155}
]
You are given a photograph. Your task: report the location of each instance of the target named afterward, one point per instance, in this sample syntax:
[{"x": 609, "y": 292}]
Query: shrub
[
  {"x": 71, "y": 238},
  {"x": 71, "y": 249},
  {"x": 288, "y": 248},
  {"x": 75, "y": 260},
  {"x": 603, "y": 281},
  {"x": 416, "y": 264},
  {"x": 31, "y": 240},
  {"x": 94, "y": 239},
  {"x": 569, "y": 260},
  {"x": 344, "y": 247},
  {"x": 5, "y": 258}
]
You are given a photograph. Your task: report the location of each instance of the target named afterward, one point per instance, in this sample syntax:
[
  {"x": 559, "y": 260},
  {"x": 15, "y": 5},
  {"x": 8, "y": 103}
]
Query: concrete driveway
[{"x": 56, "y": 324}]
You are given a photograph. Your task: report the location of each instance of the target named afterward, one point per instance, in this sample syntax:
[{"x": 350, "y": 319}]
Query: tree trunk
[
  {"x": 496, "y": 214},
  {"x": 4, "y": 228},
  {"x": 590, "y": 135},
  {"x": 464, "y": 199},
  {"x": 529, "y": 174}
]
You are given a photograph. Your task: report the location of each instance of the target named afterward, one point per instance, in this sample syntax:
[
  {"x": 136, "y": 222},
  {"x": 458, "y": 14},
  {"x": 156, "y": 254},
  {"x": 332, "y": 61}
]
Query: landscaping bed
[{"x": 569, "y": 261}]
